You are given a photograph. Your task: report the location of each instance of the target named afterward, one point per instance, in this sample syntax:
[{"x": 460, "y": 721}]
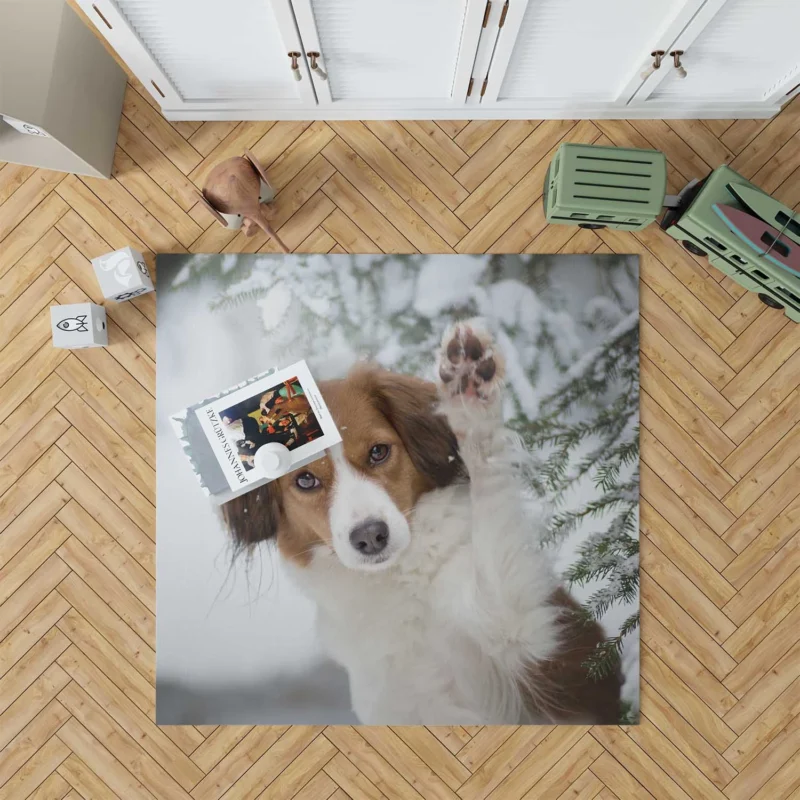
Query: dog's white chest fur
[{"x": 424, "y": 641}]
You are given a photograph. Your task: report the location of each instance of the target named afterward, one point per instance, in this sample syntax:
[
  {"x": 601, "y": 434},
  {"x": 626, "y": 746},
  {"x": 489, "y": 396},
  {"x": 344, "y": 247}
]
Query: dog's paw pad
[{"x": 469, "y": 364}]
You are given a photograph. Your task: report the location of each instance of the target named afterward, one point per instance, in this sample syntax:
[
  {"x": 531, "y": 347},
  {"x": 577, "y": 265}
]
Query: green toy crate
[
  {"x": 696, "y": 225},
  {"x": 605, "y": 187}
]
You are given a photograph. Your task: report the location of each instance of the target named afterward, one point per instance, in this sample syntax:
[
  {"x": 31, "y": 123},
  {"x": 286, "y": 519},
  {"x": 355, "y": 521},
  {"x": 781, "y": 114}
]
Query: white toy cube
[
  {"x": 122, "y": 274},
  {"x": 78, "y": 325}
]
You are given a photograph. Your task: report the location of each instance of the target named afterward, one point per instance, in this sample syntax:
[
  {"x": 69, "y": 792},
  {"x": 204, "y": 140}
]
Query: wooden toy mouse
[{"x": 233, "y": 189}]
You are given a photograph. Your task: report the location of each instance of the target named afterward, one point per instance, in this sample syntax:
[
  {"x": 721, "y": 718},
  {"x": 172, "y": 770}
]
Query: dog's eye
[
  {"x": 307, "y": 481},
  {"x": 379, "y": 453}
]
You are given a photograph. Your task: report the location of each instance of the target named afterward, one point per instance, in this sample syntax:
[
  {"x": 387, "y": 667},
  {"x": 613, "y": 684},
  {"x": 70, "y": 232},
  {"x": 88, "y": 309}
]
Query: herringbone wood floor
[{"x": 720, "y": 471}]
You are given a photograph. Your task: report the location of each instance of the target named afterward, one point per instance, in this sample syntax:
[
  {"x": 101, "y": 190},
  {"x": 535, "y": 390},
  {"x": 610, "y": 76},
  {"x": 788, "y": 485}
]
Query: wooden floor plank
[
  {"x": 119, "y": 743},
  {"x": 136, "y": 724},
  {"x": 684, "y": 556},
  {"x": 476, "y": 133},
  {"x": 31, "y": 484},
  {"x": 706, "y": 292},
  {"x": 27, "y": 432},
  {"x": 372, "y": 226},
  {"x": 680, "y": 371},
  {"x": 676, "y": 665},
  {"x": 109, "y": 552},
  {"x": 30, "y": 267},
  {"x": 683, "y": 447},
  {"x": 106, "y": 621},
  {"x": 12, "y": 176},
  {"x": 684, "y": 412},
  {"x": 31, "y": 629},
  {"x": 159, "y": 131},
  {"x": 143, "y": 152},
  {"x": 686, "y": 738},
  {"x": 31, "y": 230},
  {"x": 498, "y": 182},
  {"x": 35, "y": 735},
  {"x": 426, "y": 168},
  {"x": 110, "y": 479},
  {"x": 421, "y": 217},
  {"x": 107, "y": 770},
  {"x": 103, "y": 655},
  {"x": 769, "y": 506},
  {"x": 501, "y": 206},
  {"x": 37, "y": 770},
  {"x": 26, "y": 198},
  {"x": 239, "y": 758},
  {"x": 780, "y": 423},
  {"x": 152, "y": 197},
  {"x": 768, "y": 725},
  {"x": 18, "y": 605},
  {"x": 84, "y": 782},
  {"x": 431, "y": 136},
  {"x": 677, "y": 585},
  {"x": 209, "y": 135},
  {"x": 299, "y": 153},
  {"x": 108, "y": 515},
  {"x": 764, "y": 600},
  {"x": 493, "y": 152}
]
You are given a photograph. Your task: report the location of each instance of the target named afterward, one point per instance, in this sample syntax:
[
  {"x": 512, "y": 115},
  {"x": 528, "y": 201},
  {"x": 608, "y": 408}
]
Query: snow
[
  {"x": 397, "y": 290},
  {"x": 182, "y": 275},
  {"x": 447, "y": 283},
  {"x": 601, "y": 309},
  {"x": 527, "y": 395},
  {"x": 580, "y": 366},
  {"x": 229, "y": 262},
  {"x": 275, "y": 306}
]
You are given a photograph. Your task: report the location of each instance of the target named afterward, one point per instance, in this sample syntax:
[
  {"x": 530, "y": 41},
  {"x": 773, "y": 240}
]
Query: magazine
[{"x": 283, "y": 407}]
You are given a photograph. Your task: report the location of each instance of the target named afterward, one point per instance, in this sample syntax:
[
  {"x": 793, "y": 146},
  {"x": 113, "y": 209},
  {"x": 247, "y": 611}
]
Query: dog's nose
[{"x": 370, "y": 537}]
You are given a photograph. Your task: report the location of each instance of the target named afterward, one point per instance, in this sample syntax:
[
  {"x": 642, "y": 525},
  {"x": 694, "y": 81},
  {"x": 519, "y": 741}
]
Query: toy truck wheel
[
  {"x": 592, "y": 226},
  {"x": 769, "y": 301},
  {"x": 693, "y": 248}
]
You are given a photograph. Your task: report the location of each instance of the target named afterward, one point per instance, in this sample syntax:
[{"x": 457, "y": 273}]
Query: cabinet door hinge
[
  {"x": 483, "y": 88},
  {"x": 469, "y": 88},
  {"x": 503, "y": 15},
  {"x": 486, "y": 13}
]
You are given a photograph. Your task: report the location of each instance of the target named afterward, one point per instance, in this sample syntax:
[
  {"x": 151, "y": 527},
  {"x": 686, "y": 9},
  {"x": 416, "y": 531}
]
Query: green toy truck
[
  {"x": 605, "y": 187},
  {"x": 598, "y": 187},
  {"x": 702, "y": 232}
]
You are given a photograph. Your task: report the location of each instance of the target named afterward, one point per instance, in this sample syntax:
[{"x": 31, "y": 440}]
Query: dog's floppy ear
[
  {"x": 410, "y": 406},
  {"x": 254, "y": 517}
]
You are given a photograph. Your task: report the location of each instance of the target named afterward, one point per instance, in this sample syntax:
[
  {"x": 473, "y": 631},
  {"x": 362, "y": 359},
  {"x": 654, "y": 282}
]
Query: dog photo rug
[{"x": 468, "y": 553}]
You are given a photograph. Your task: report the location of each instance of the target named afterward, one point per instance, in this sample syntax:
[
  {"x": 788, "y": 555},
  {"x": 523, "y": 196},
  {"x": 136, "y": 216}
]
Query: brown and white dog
[{"x": 417, "y": 542}]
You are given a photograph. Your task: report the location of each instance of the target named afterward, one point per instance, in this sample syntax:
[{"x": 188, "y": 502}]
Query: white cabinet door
[
  {"x": 578, "y": 53},
  {"x": 734, "y": 51},
  {"x": 401, "y": 54},
  {"x": 209, "y": 54}
]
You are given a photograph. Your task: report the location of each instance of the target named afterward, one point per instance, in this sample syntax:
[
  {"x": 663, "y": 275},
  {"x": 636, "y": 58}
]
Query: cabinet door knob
[
  {"x": 676, "y": 58},
  {"x": 657, "y": 56},
  {"x": 295, "y": 66},
  {"x": 315, "y": 68}
]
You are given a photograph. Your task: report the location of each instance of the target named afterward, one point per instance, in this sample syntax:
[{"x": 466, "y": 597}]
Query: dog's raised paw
[{"x": 469, "y": 364}]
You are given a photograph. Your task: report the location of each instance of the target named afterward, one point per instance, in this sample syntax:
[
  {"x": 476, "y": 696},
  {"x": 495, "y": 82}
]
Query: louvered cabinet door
[
  {"x": 744, "y": 51},
  {"x": 575, "y": 54},
  {"x": 225, "y": 55},
  {"x": 403, "y": 54}
]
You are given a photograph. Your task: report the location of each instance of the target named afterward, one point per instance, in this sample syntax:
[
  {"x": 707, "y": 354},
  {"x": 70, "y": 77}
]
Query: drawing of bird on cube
[{"x": 122, "y": 275}]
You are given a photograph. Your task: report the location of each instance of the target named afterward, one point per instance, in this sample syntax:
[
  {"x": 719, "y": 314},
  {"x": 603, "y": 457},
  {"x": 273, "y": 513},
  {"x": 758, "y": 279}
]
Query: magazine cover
[{"x": 285, "y": 407}]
